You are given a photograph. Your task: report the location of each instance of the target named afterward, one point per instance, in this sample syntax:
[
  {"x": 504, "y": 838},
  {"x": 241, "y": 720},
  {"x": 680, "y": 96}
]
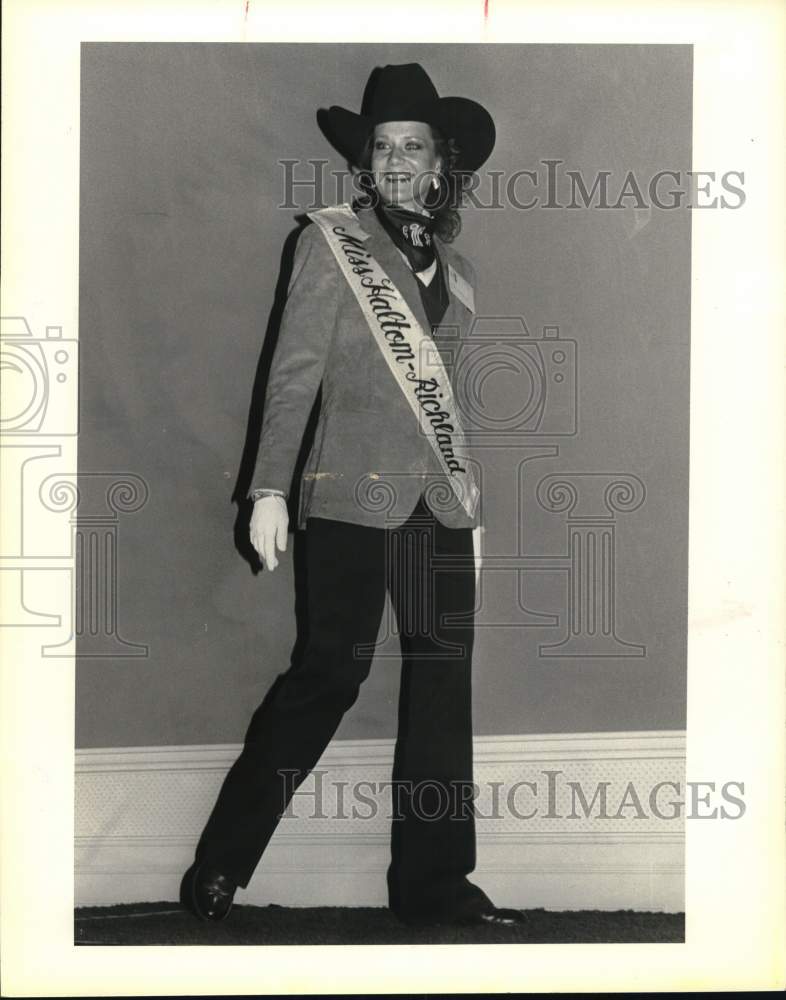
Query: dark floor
[{"x": 169, "y": 923}]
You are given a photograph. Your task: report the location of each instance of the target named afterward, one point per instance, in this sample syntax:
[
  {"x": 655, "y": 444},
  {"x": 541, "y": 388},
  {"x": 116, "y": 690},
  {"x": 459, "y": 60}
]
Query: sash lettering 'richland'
[{"x": 410, "y": 353}]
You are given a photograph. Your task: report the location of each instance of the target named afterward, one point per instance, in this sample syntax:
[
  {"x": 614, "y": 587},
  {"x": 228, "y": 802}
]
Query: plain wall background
[{"x": 180, "y": 252}]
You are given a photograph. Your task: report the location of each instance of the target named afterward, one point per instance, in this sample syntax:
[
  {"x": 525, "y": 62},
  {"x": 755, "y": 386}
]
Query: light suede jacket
[{"x": 370, "y": 461}]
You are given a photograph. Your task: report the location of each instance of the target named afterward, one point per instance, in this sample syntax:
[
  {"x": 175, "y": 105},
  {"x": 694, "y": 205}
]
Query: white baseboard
[{"x": 139, "y": 812}]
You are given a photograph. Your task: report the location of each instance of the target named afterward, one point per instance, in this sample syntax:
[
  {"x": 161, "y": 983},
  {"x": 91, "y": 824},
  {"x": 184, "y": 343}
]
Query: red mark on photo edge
[
  {"x": 249, "y": 1},
  {"x": 485, "y": 8}
]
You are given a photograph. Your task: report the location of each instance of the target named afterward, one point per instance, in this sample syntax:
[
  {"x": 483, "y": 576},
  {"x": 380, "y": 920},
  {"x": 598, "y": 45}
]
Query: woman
[{"x": 389, "y": 493}]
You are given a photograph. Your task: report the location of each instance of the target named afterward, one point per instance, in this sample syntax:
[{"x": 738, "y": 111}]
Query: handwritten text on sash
[{"x": 381, "y": 296}]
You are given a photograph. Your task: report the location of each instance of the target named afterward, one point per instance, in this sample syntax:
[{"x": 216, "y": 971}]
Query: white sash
[{"x": 410, "y": 353}]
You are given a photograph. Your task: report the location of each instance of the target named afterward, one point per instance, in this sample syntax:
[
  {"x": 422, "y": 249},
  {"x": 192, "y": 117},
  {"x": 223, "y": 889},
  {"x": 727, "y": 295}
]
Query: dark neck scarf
[{"x": 413, "y": 234}]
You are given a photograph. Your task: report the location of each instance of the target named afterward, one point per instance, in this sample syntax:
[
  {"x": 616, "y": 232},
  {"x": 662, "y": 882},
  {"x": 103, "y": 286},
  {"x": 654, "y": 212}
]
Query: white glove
[
  {"x": 269, "y": 524},
  {"x": 477, "y": 545}
]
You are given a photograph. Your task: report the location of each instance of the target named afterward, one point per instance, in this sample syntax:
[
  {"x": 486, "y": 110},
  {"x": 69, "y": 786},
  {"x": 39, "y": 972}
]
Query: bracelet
[{"x": 258, "y": 494}]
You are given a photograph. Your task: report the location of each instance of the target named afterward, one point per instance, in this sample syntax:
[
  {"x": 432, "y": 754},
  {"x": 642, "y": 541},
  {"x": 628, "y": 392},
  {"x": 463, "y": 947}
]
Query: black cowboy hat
[{"x": 406, "y": 93}]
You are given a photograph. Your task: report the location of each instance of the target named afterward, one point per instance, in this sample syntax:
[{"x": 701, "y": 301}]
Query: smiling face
[{"x": 404, "y": 161}]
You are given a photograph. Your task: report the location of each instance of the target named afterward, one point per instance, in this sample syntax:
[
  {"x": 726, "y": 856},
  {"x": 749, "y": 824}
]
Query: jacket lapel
[{"x": 452, "y": 315}]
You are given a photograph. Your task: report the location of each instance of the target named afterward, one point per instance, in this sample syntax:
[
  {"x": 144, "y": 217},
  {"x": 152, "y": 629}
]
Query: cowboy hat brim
[{"x": 458, "y": 118}]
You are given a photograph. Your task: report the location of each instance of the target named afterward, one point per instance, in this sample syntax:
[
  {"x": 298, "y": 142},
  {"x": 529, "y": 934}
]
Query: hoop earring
[{"x": 440, "y": 193}]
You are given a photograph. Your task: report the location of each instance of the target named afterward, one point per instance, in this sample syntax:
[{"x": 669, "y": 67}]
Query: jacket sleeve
[{"x": 306, "y": 332}]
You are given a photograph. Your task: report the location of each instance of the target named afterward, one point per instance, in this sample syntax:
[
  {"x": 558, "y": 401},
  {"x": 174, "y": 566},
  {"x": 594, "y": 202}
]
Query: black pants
[{"x": 428, "y": 570}]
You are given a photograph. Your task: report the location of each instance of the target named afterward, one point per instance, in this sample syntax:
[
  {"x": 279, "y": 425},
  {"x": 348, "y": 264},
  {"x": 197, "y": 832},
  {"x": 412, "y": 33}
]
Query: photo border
[{"x": 734, "y": 870}]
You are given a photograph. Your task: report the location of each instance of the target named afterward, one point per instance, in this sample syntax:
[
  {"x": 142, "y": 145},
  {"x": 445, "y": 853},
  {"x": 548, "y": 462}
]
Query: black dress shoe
[
  {"x": 211, "y": 894},
  {"x": 497, "y": 916}
]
